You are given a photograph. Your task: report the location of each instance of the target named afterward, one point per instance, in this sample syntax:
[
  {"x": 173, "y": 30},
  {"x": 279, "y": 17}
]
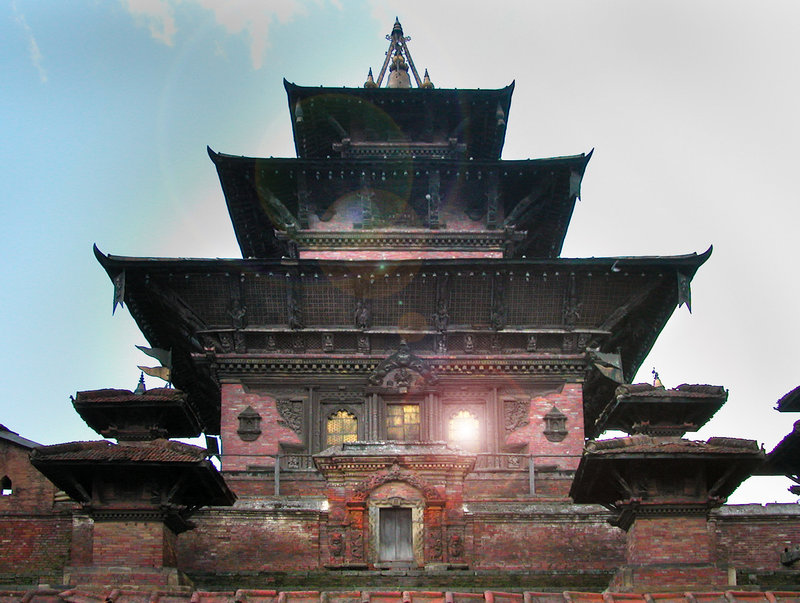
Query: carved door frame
[{"x": 417, "y": 527}]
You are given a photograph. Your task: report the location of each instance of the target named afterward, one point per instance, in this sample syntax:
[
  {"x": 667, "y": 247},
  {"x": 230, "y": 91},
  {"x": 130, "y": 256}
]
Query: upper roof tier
[
  {"x": 398, "y": 122},
  {"x": 396, "y": 119}
]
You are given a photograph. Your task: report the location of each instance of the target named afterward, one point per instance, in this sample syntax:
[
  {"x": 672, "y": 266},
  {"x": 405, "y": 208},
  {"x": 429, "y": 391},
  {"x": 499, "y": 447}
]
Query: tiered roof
[{"x": 399, "y": 204}]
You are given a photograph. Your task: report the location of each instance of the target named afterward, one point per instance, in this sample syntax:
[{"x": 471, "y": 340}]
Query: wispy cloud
[
  {"x": 158, "y": 16},
  {"x": 251, "y": 17},
  {"x": 33, "y": 47}
]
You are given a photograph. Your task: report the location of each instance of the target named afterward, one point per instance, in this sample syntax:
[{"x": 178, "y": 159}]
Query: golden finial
[
  {"x": 656, "y": 379},
  {"x": 426, "y": 81},
  {"x": 370, "y": 83}
]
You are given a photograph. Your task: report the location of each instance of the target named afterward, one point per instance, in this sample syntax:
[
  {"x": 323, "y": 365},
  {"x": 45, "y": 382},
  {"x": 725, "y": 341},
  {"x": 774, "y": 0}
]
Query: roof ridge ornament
[{"x": 398, "y": 61}]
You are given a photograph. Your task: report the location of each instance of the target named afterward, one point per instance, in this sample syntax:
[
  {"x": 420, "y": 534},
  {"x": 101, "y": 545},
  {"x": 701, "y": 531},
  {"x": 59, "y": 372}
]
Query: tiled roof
[
  {"x": 128, "y": 595},
  {"x": 13, "y": 437},
  {"x": 156, "y": 451},
  {"x": 670, "y": 445},
  {"x": 121, "y": 395},
  {"x": 685, "y": 390}
]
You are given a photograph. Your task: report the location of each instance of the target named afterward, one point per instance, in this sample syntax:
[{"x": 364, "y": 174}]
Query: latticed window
[
  {"x": 342, "y": 427},
  {"x": 464, "y": 430},
  {"x": 402, "y": 422}
]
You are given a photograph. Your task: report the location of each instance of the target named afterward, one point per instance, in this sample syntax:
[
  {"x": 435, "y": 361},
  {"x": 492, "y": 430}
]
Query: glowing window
[
  {"x": 464, "y": 430},
  {"x": 402, "y": 422},
  {"x": 5, "y": 486},
  {"x": 342, "y": 427}
]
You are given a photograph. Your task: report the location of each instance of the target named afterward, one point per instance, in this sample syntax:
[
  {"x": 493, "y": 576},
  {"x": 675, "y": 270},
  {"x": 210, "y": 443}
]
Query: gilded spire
[
  {"x": 399, "y": 62},
  {"x": 370, "y": 83}
]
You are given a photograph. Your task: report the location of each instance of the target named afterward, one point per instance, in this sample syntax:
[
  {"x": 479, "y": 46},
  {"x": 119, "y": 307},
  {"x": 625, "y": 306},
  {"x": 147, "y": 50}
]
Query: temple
[{"x": 405, "y": 386}]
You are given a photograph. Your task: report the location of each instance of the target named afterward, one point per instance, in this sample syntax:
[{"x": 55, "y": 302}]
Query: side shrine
[{"x": 408, "y": 384}]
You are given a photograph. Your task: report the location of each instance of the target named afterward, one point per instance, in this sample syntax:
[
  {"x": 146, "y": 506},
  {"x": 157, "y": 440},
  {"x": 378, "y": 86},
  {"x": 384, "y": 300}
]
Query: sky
[{"x": 106, "y": 108}]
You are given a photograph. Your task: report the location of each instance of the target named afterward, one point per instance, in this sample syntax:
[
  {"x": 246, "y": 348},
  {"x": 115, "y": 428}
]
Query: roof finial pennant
[
  {"x": 119, "y": 291},
  {"x": 164, "y": 371}
]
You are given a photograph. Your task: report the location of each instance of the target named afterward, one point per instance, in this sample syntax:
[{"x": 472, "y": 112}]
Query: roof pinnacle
[
  {"x": 398, "y": 61},
  {"x": 370, "y": 83}
]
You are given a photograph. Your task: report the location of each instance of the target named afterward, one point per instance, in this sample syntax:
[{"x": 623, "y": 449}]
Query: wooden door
[{"x": 395, "y": 544}]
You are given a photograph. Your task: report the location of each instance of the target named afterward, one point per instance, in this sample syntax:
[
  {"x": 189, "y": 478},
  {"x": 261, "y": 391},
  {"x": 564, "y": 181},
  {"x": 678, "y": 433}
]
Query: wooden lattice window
[
  {"x": 5, "y": 486},
  {"x": 342, "y": 427},
  {"x": 464, "y": 430},
  {"x": 402, "y": 422}
]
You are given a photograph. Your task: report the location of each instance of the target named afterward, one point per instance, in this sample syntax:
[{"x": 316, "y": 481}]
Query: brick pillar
[
  {"x": 670, "y": 545},
  {"x": 133, "y": 550}
]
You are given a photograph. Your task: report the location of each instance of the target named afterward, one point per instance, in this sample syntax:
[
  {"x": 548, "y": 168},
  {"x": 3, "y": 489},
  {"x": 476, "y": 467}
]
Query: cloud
[
  {"x": 159, "y": 18},
  {"x": 33, "y": 47},
  {"x": 251, "y": 17}
]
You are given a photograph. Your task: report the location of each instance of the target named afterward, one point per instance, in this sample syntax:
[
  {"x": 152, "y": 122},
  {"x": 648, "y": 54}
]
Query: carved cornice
[
  {"x": 231, "y": 366},
  {"x": 629, "y": 510},
  {"x": 487, "y": 240}
]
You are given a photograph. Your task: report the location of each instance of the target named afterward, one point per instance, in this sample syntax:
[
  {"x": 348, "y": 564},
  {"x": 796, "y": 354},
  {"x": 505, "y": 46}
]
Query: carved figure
[
  {"x": 515, "y": 414},
  {"x": 362, "y": 315},
  {"x": 295, "y": 316},
  {"x": 441, "y": 317},
  {"x": 357, "y": 545},
  {"x": 456, "y": 547},
  {"x": 337, "y": 544},
  {"x": 469, "y": 344},
  {"x": 291, "y": 412},
  {"x": 238, "y": 313}
]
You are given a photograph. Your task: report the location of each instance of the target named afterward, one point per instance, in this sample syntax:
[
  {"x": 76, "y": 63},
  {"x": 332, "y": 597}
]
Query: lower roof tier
[{"x": 494, "y": 309}]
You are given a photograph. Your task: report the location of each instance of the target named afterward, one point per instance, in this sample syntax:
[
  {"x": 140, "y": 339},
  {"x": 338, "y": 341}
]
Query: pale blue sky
[{"x": 107, "y": 107}]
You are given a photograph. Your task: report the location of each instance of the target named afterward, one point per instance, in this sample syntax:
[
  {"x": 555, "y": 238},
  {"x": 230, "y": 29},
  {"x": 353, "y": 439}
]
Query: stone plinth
[{"x": 661, "y": 490}]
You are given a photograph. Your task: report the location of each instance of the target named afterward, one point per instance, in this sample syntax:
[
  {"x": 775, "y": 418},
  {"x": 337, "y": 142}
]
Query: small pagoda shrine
[
  {"x": 660, "y": 487},
  {"x": 138, "y": 493}
]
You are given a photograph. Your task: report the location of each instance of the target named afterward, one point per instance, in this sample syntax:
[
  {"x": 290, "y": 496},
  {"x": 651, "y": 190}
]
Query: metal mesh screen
[
  {"x": 327, "y": 301},
  {"x": 470, "y": 299},
  {"x": 202, "y": 293},
  {"x": 603, "y": 293},
  {"x": 404, "y": 301},
  {"x": 265, "y": 298},
  {"x": 537, "y": 300}
]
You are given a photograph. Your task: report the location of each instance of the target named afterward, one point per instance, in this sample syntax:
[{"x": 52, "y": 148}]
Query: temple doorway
[{"x": 396, "y": 536}]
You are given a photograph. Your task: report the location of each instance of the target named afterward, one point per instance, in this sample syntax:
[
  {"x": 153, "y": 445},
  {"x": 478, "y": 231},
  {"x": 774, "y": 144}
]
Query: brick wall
[
  {"x": 133, "y": 544},
  {"x": 670, "y": 540},
  {"x": 34, "y": 536},
  {"x": 237, "y": 453},
  {"x": 539, "y": 542},
  {"x": 570, "y": 402},
  {"x": 250, "y": 540},
  {"x": 753, "y": 536},
  {"x": 32, "y": 492}
]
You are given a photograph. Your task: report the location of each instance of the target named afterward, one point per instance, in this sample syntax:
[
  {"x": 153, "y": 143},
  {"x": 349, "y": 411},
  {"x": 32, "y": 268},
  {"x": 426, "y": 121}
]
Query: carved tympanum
[
  {"x": 515, "y": 414},
  {"x": 291, "y": 412}
]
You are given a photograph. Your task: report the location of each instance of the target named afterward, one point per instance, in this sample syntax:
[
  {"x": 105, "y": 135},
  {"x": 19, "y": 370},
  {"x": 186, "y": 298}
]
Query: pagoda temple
[{"x": 403, "y": 372}]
